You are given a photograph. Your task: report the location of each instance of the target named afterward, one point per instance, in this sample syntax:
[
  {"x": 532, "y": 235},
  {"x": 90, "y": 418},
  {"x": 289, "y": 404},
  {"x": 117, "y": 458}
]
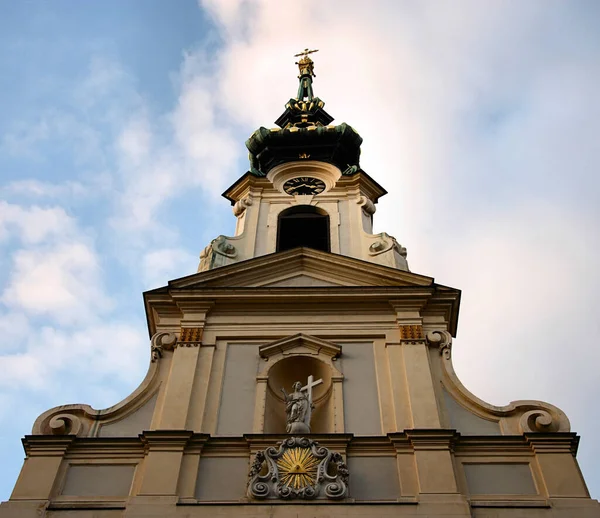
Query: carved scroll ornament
[
  {"x": 367, "y": 205},
  {"x": 518, "y": 417},
  {"x": 160, "y": 342},
  {"x": 298, "y": 468},
  {"x": 240, "y": 206},
  {"x": 442, "y": 340},
  {"x": 217, "y": 254},
  {"x": 384, "y": 243}
]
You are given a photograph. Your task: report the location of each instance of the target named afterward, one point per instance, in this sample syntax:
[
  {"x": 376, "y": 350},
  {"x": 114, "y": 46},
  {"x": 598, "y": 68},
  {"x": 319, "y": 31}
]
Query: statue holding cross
[{"x": 299, "y": 406}]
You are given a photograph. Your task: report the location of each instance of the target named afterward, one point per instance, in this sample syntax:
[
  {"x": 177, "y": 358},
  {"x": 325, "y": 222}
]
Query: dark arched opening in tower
[{"x": 303, "y": 226}]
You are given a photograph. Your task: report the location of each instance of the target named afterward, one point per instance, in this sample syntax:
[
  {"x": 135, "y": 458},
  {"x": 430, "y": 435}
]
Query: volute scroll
[
  {"x": 160, "y": 342},
  {"x": 84, "y": 421},
  {"x": 518, "y": 417}
]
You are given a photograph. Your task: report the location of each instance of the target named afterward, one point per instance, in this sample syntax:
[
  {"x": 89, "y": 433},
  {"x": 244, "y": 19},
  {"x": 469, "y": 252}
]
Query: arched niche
[
  {"x": 303, "y": 225},
  {"x": 283, "y": 374},
  {"x": 294, "y": 359}
]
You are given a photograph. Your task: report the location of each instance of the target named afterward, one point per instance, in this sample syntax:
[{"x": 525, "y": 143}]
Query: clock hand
[{"x": 295, "y": 187}]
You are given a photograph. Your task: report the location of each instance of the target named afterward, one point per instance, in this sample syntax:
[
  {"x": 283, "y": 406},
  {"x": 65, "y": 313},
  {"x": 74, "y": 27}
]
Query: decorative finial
[
  {"x": 305, "y": 109},
  {"x": 305, "y": 64}
]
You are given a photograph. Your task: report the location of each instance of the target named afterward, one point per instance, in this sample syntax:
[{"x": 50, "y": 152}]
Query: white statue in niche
[{"x": 299, "y": 406}]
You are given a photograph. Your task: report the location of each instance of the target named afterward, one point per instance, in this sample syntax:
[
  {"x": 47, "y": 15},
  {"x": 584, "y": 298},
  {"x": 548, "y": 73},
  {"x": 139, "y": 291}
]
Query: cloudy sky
[{"x": 122, "y": 122}]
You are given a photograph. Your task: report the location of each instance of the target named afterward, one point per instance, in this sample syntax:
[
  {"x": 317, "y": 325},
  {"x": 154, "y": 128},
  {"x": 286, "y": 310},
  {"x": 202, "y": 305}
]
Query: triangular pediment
[
  {"x": 300, "y": 344},
  {"x": 301, "y": 267}
]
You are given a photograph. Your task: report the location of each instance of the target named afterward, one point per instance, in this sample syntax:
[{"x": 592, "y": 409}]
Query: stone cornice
[
  {"x": 335, "y": 441},
  {"x": 288, "y": 344},
  {"x": 166, "y": 440},
  {"x": 160, "y": 307},
  {"x": 47, "y": 445},
  {"x": 432, "y": 439},
  {"x": 240, "y": 188},
  {"x": 249, "y": 271},
  {"x": 369, "y": 187},
  {"x": 398, "y": 442},
  {"x": 553, "y": 442}
]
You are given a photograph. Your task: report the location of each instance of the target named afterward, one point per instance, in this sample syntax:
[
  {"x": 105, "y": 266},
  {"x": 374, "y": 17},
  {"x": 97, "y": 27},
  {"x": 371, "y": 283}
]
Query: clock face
[{"x": 304, "y": 185}]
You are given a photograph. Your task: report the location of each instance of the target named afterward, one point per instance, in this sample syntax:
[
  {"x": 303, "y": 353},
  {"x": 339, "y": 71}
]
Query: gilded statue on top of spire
[
  {"x": 305, "y": 64},
  {"x": 305, "y": 110}
]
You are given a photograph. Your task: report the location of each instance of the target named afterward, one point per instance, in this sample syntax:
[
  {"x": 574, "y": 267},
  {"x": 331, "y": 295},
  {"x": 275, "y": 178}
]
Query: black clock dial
[{"x": 304, "y": 185}]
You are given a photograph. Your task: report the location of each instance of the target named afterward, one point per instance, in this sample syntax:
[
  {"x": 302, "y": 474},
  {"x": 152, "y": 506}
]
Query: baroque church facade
[{"x": 303, "y": 371}]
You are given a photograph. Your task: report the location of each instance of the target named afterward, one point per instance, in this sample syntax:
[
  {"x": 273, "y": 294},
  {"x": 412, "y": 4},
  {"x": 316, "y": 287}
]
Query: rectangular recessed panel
[
  {"x": 361, "y": 400},
  {"x": 499, "y": 479},
  {"x": 236, "y": 412},
  {"x": 373, "y": 478},
  {"x": 222, "y": 478},
  {"x": 98, "y": 480}
]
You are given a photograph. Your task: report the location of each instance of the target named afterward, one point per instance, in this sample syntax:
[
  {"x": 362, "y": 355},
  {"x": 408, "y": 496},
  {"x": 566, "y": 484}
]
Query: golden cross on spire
[
  {"x": 305, "y": 64},
  {"x": 305, "y": 53}
]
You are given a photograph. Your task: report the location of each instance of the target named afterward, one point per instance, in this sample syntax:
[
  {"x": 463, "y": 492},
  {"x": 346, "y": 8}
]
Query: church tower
[{"x": 303, "y": 371}]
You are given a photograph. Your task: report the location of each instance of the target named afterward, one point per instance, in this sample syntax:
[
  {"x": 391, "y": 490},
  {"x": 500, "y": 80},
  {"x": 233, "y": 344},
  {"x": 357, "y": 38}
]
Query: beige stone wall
[
  {"x": 417, "y": 443},
  {"x": 433, "y": 473}
]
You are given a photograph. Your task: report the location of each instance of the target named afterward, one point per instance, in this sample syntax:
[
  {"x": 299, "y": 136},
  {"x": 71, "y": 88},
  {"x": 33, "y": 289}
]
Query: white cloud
[
  {"x": 135, "y": 140},
  {"x": 62, "y": 281},
  {"x": 112, "y": 353},
  {"x": 54, "y": 271},
  {"x": 159, "y": 266},
  {"x": 34, "y": 224},
  {"x": 66, "y": 130},
  {"x": 38, "y": 189}
]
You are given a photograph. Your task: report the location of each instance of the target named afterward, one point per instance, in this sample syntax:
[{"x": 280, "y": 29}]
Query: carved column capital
[
  {"x": 190, "y": 336},
  {"x": 411, "y": 333}
]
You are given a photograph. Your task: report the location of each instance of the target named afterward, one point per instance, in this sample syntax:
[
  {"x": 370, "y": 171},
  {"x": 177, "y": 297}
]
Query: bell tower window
[{"x": 304, "y": 225}]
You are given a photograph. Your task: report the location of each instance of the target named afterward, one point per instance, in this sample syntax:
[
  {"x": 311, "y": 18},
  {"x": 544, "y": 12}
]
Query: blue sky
[{"x": 122, "y": 122}]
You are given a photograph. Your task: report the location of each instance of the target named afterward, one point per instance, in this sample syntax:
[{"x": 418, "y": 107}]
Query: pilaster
[
  {"x": 409, "y": 483},
  {"x": 433, "y": 458},
  {"x": 186, "y": 488},
  {"x": 419, "y": 378},
  {"x": 162, "y": 465},
  {"x": 260, "y": 403},
  {"x": 44, "y": 455},
  {"x": 555, "y": 456},
  {"x": 400, "y": 394},
  {"x": 180, "y": 382}
]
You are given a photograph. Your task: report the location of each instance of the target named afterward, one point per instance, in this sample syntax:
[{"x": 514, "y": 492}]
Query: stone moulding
[
  {"x": 289, "y": 344},
  {"x": 298, "y": 468},
  {"x": 518, "y": 417}
]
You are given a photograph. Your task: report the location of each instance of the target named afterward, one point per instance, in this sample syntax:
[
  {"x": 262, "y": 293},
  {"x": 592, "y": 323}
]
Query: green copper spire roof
[{"x": 304, "y": 132}]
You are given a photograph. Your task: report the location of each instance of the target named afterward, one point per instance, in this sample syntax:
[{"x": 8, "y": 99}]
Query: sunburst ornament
[{"x": 298, "y": 468}]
